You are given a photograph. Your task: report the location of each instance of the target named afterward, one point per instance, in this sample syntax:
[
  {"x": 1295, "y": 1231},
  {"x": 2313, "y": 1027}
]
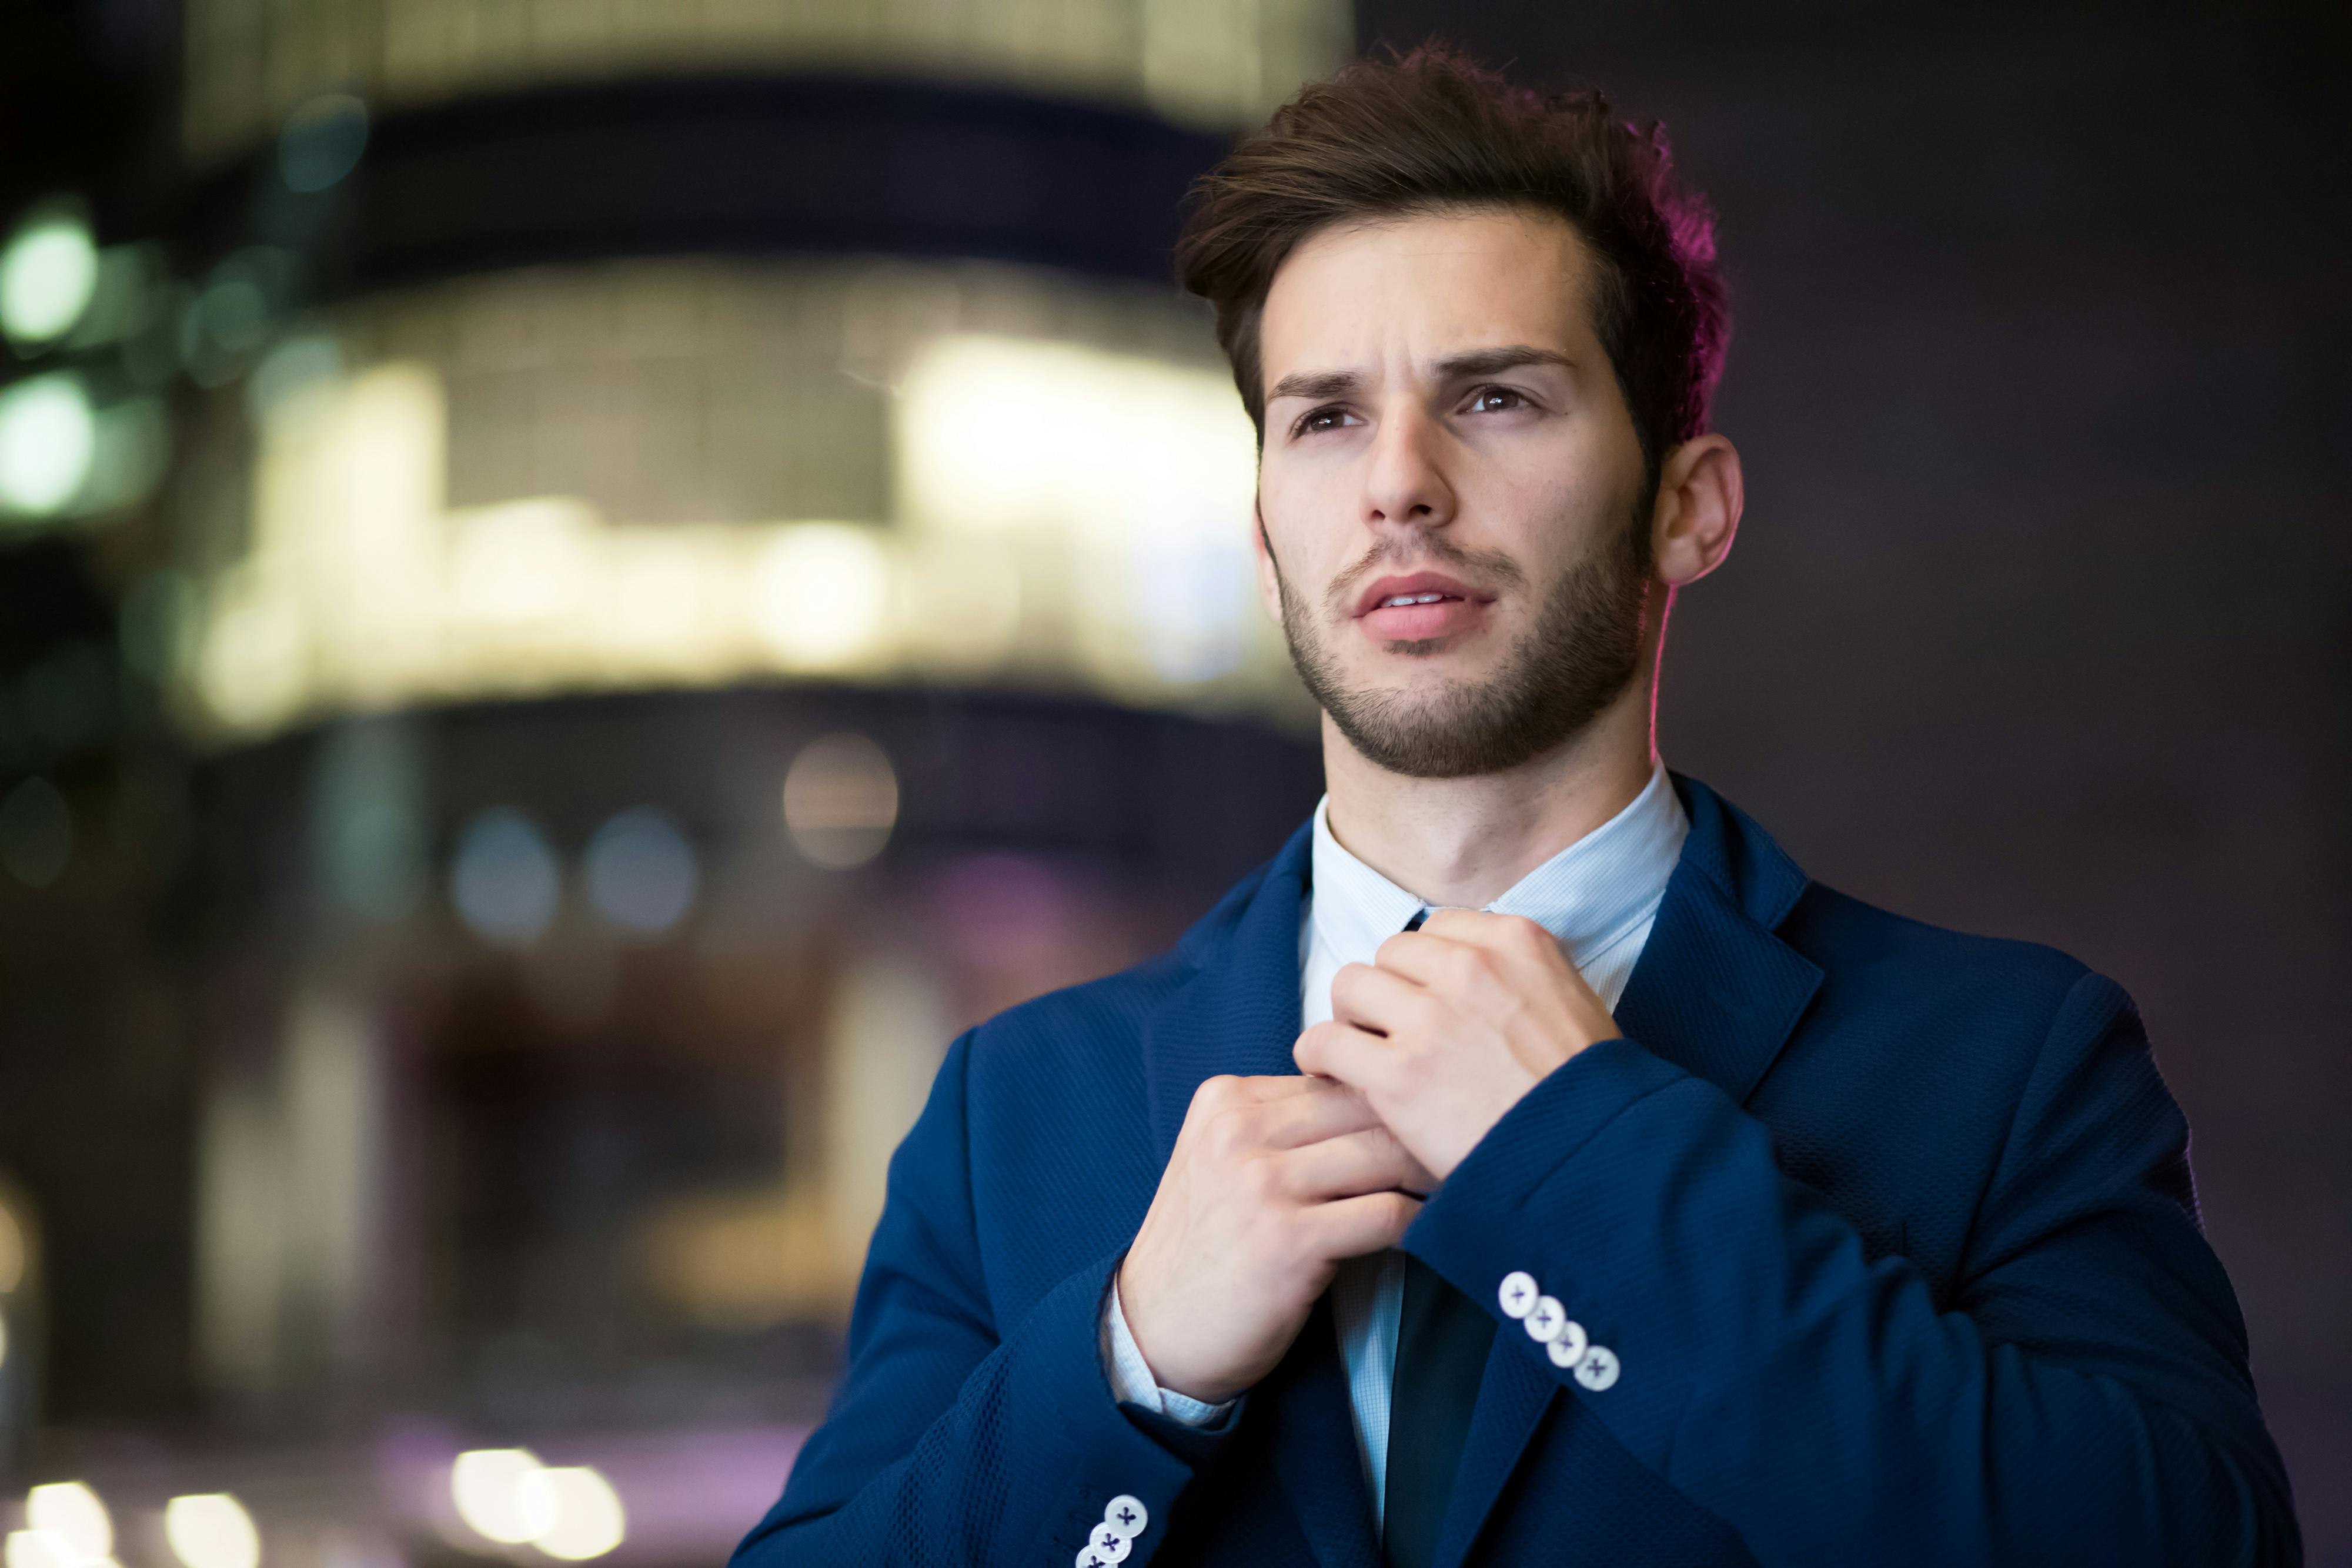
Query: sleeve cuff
[
  {"x": 1458, "y": 1229},
  {"x": 1131, "y": 1382}
]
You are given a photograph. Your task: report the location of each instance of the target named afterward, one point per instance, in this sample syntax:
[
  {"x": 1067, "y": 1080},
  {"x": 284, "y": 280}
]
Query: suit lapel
[
  {"x": 1238, "y": 1013},
  {"x": 1715, "y": 993}
]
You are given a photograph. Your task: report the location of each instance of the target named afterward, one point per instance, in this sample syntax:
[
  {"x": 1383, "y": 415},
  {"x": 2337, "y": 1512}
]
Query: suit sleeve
[
  {"x": 948, "y": 1443},
  {"x": 2082, "y": 1394}
]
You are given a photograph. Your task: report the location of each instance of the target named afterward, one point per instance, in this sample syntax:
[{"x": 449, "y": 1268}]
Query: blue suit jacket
[{"x": 1890, "y": 1229}]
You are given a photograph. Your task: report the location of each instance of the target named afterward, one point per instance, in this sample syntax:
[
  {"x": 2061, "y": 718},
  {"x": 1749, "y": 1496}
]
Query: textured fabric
[
  {"x": 1598, "y": 896},
  {"x": 1442, "y": 1342},
  {"x": 1891, "y": 1228}
]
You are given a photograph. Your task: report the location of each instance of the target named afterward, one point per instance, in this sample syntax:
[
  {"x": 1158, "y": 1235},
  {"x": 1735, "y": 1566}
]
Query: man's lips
[{"x": 1422, "y": 605}]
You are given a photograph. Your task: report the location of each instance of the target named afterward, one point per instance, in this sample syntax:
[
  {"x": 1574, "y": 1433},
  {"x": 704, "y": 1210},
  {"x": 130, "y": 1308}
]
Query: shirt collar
[{"x": 1591, "y": 895}]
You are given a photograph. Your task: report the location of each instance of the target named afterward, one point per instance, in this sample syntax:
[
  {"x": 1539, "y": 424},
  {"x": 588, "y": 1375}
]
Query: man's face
[{"x": 1449, "y": 489}]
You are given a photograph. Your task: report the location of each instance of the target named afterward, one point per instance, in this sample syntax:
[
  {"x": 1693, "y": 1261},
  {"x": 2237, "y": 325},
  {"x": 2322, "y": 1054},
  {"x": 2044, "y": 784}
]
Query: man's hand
[
  {"x": 1273, "y": 1181},
  {"x": 1451, "y": 1025}
]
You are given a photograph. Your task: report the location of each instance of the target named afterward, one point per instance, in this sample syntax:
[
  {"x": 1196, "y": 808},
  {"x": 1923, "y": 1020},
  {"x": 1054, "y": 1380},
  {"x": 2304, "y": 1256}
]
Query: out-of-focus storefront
[{"x": 647, "y": 564}]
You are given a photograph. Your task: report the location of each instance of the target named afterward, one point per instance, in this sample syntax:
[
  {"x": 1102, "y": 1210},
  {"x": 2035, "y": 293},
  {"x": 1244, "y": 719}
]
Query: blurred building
[{"x": 648, "y": 563}]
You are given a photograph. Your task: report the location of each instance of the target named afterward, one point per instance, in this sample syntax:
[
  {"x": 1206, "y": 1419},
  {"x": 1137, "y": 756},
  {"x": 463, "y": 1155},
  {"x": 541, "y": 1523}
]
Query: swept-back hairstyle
[{"x": 1432, "y": 130}]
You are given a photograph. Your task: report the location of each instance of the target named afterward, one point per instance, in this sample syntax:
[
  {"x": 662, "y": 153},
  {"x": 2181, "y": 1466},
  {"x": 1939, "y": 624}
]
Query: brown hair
[{"x": 1385, "y": 137}]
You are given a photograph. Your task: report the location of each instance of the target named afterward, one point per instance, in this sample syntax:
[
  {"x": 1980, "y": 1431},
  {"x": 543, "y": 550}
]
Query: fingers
[
  {"x": 1276, "y": 1112},
  {"x": 1381, "y": 999},
  {"x": 1352, "y": 1056},
  {"x": 1351, "y": 1227},
  {"x": 1351, "y": 1165}
]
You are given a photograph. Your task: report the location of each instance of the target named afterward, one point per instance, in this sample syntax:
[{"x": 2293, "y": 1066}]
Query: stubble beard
[{"x": 1583, "y": 651}]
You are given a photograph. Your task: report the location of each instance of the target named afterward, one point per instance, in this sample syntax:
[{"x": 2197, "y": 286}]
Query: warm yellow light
[
  {"x": 1139, "y": 472},
  {"x": 37, "y": 1549},
  {"x": 841, "y": 800},
  {"x": 72, "y": 1513},
  {"x": 485, "y": 1485},
  {"x": 12, "y": 1251},
  {"x": 998, "y": 433},
  {"x": 253, "y": 668},
  {"x": 526, "y": 562},
  {"x": 821, "y": 594},
  {"x": 584, "y": 1513},
  {"x": 211, "y": 1529}
]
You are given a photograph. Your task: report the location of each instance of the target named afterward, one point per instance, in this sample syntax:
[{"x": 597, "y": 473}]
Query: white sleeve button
[
  {"x": 1598, "y": 1369},
  {"x": 1519, "y": 1293},
  {"x": 1108, "y": 1544},
  {"x": 1126, "y": 1516},
  {"x": 1545, "y": 1319},
  {"x": 1568, "y": 1348}
]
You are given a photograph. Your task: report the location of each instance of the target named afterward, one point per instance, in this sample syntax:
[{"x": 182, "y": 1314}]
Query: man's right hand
[{"x": 1272, "y": 1183}]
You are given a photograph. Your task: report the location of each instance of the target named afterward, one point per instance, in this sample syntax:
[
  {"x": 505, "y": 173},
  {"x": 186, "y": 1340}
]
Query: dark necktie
[{"x": 1443, "y": 1337}]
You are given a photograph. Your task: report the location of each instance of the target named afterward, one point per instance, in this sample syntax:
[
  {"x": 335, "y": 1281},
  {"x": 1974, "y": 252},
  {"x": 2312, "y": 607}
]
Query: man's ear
[
  {"x": 1700, "y": 492},
  {"x": 1269, "y": 578}
]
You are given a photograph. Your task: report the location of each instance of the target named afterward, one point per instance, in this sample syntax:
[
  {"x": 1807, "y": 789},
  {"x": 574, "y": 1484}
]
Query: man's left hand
[{"x": 1450, "y": 1024}]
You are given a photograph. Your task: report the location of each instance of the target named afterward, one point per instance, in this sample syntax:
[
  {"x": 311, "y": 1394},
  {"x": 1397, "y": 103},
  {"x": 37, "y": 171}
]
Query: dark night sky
[{"x": 2040, "y": 618}]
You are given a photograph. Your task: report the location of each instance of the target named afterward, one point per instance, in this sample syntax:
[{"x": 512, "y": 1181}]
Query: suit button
[
  {"x": 1598, "y": 1369},
  {"x": 1108, "y": 1544},
  {"x": 1090, "y": 1558},
  {"x": 1545, "y": 1319},
  {"x": 1519, "y": 1293},
  {"x": 1568, "y": 1348},
  {"x": 1126, "y": 1516}
]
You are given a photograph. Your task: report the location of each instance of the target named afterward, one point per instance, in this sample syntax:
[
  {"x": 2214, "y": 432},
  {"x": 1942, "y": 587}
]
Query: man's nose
[{"x": 1405, "y": 485}]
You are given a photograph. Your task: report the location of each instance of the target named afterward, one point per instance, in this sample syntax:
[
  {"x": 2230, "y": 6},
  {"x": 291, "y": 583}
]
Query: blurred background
[{"x": 584, "y": 582}]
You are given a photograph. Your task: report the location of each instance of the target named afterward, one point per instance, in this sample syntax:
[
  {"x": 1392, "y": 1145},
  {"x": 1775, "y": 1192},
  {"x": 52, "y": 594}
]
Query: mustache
[{"x": 1489, "y": 569}]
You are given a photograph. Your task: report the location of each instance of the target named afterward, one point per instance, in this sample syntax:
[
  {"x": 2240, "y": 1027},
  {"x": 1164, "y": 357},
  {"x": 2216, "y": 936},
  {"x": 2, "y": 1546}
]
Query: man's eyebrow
[
  {"x": 1315, "y": 384},
  {"x": 1318, "y": 384},
  {"x": 1493, "y": 362}
]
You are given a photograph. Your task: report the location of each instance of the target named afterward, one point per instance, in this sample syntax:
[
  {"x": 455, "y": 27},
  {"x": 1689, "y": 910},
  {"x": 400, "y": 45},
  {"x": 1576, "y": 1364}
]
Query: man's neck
[{"x": 1467, "y": 842}]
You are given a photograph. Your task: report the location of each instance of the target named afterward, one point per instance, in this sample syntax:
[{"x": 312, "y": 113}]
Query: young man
[{"x": 1530, "y": 1164}]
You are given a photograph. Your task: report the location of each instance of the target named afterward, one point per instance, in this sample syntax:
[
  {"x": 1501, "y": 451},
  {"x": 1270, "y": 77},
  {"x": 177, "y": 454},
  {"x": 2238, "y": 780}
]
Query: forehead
[{"x": 1427, "y": 285}]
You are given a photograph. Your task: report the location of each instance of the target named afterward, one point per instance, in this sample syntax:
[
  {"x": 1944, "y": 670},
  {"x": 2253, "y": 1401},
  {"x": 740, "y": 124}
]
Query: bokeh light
[
  {"x": 841, "y": 800},
  {"x": 72, "y": 1512},
  {"x": 322, "y": 142},
  {"x": 822, "y": 594},
  {"x": 12, "y": 1251},
  {"x": 582, "y": 1512},
  {"x": 35, "y": 1548},
  {"x": 47, "y": 274},
  {"x": 506, "y": 881},
  {"x": 641, "y": 871},
  {"x": 48, "y": 435},
  {"x": 485, "y": 1485},
  {"x": 211, "y": 1529}
]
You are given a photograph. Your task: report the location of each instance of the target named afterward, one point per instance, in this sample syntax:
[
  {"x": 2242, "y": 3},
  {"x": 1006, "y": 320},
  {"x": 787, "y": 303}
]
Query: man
[{"x": 1530, "y": 1164}]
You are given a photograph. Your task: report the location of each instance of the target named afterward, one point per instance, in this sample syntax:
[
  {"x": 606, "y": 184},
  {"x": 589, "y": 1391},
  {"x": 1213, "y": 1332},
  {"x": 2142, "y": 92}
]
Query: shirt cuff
[{"x": 1131, "y": 1382}]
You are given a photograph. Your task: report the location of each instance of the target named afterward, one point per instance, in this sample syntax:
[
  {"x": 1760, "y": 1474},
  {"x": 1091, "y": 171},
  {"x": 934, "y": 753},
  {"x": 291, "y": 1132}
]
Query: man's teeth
[{"x": 1397, "y": 599}]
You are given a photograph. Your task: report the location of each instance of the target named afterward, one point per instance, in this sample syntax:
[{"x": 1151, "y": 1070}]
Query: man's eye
[
  {"x": 1319, "y": 420},
  {"x": 1497, "y": 400}
]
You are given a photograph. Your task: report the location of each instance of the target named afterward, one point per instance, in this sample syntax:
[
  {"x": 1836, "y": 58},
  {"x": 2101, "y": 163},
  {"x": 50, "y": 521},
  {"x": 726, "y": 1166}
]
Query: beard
[{"x": 1583, "y": 651}]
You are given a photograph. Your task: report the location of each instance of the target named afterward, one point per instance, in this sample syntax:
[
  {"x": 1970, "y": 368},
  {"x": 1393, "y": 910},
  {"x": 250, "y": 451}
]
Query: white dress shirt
[{"x": 1599, "y": 896}]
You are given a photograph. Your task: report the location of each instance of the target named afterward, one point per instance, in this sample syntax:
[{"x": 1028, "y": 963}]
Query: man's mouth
[{"x": 1418, "y": 607}]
